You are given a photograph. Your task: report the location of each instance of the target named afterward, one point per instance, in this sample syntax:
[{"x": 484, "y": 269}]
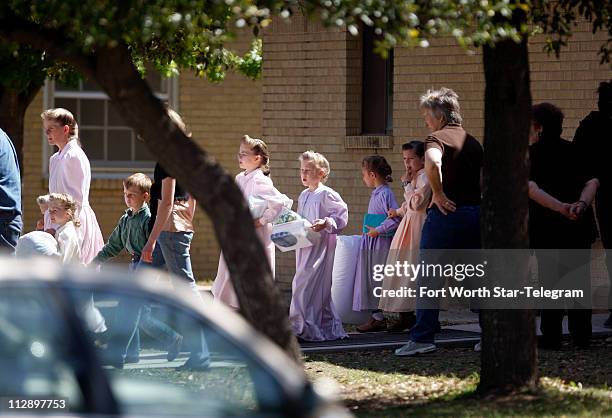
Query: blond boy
[{"x": 132, "y": 231}]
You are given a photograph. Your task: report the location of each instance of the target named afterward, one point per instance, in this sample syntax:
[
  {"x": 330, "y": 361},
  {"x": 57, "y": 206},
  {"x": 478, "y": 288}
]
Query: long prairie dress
[
  {"x": 374, "y": 251},
  {"x": 255, "y": 183},
  {"x": 70, "y": 253},
  {"x": 405, "y": 244},
  {"x": 312, "y": 313},
  {"x": 70, "y": 172}
]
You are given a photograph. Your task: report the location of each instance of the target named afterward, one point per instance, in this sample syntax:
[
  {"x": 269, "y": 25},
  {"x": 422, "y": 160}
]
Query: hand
[
  {"x": 409, "y": 174},
  {"x": 319, "y": 225},
  {"x": 147, "y": 252},
  {"x": 372, "y": 232},
  {"x": 258, "y": 223},
  {"x": 566, "y": 210},
  {"x": 578, "y": 208},
  {"x": 40, "y": 225},
  {"x": 392, "y": 213},
  {"x": 443, "y": 203}
]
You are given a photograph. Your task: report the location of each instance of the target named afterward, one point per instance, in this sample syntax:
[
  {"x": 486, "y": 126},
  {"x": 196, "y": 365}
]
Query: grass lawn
[{"x": 379, "y": 384}]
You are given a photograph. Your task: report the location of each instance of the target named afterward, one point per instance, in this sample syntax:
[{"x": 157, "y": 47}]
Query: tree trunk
[
  {"x": 13, "y": 105},
  {"x": 508, "y": 336},
  {"x": 214, "y": 189}
]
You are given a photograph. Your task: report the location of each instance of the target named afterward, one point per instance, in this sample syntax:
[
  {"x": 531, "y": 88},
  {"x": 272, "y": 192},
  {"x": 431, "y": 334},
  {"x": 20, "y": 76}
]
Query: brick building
[{"x": 311, "y": 96}]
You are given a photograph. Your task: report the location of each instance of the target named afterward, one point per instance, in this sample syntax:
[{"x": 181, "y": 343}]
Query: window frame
[
  {"x": 101, "y": 169},
  {"x": 379, "y": 83}
]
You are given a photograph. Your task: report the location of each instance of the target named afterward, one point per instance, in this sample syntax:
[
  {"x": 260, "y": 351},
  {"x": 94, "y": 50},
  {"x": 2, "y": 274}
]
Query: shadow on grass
[
  {"x": 543, "y": 403},
  {"x": 379, "y": 384},
  {"x": 591, "y": 366}
]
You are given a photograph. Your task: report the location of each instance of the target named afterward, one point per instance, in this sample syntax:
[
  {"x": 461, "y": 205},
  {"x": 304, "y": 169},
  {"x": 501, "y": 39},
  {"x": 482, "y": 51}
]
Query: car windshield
[{"x": 158, "y": 358}]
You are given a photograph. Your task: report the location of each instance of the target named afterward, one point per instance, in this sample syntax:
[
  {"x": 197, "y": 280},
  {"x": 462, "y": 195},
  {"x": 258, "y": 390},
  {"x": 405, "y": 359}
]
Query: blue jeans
[
  {"x": 457, "y": 230},
  {"x": 172, "y": 250},
  {"x": 10, "y": 228},
  {"x": 132, "y": 317}
]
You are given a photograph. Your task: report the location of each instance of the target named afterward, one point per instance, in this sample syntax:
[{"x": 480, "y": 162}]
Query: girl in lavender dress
[
  {"x": 254, "y": 180},
  {"x": 312, "y": 313},
  {"x": 375, "y": 244}
]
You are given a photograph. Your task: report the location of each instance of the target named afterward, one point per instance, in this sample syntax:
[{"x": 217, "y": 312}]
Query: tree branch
[{"x": 16, "y": 29}]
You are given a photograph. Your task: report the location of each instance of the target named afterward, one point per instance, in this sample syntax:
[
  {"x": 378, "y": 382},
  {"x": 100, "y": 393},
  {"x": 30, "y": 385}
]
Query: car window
[
  {"x": 173, "y": 363},
  {"x": 39, "y": 354}
]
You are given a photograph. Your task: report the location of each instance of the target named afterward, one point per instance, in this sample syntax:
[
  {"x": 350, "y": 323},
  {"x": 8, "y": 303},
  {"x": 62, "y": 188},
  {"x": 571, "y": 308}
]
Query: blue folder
[{"x": 374, "y": 220}]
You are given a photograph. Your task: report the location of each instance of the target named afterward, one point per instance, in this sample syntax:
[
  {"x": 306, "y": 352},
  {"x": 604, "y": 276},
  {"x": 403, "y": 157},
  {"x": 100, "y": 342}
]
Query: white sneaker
[
  {"x": 478, "y": 347},
  {"x": 413, "y": 348}
]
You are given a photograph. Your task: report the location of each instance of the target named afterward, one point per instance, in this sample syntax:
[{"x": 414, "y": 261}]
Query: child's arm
[
  {"x": 113, "y": 247},
  {"x": 338, "y": 213},
  {"x": 388, "y": 224},
  {"x": 421, "y": 194},
  {"x": 266, "y": 190}
]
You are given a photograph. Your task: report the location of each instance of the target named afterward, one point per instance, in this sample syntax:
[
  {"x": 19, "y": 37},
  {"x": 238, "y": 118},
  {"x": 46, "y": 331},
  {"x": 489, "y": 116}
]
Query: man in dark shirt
[
  {"x": 10, "y": 195},
  {"x": 594, "y": 141},
  {"x": 562, "y": 245}
]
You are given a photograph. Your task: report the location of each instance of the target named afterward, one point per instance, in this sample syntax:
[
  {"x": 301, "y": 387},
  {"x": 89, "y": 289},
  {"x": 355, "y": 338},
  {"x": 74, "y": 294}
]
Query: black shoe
[
  {"x": 581, "y": 342},
  {"x": 544, "y": 344},
  {"x": 193, "y": 364},
  {"x": 174, "y": 349},
  {"x": 405, "y": 322},
  {"x": 132, "y": 359},
  {"x": 608, "y": 323},
  {"x": 108, "y": 359}
]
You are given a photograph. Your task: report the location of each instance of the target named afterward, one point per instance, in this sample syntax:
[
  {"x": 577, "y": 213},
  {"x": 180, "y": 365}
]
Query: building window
[
  {"x": 111, "y": 146},
  {"x": 377, "y": 88}
]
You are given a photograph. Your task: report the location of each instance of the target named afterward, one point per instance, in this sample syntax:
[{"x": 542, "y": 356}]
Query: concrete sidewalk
[{"x": 460, "y": 335}]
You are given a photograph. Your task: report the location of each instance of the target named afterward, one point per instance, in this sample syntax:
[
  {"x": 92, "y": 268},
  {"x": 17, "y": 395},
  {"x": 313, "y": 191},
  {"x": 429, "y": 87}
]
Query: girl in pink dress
[
  {"x": 407, "y": 238},
  {"x": 253, "y": 158},
  {"x": 312, "y": 313},
  {"x": 70, "y": 172}
]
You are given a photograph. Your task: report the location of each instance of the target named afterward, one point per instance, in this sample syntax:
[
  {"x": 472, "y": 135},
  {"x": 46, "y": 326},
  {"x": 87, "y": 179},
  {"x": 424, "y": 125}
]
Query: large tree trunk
[
  {"x": 508, "y": 336},
  {"x": 13, "y": 105}
]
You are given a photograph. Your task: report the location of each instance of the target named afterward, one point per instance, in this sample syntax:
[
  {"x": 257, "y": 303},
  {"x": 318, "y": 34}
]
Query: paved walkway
[{"x": 466, "y": 334}]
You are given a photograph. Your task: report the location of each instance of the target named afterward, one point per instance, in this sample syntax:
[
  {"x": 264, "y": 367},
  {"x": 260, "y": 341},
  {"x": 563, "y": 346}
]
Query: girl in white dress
[
  {"x": 62, "y": 212},
  {"x": 253, "y": 158},
  {"x": 70, "y": 172}
]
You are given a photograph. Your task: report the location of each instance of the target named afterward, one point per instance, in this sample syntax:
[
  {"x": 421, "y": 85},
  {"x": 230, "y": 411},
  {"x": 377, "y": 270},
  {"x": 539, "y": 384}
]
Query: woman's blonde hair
[
  {"x": 63, "y": 117},
  {"x": 259, "y": 148},
  {"x": 66, "y": 202},
  {"x": 318, "y": 160}
]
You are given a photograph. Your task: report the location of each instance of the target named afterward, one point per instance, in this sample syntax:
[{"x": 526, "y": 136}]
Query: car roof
[{"x": 40, "y": 270}]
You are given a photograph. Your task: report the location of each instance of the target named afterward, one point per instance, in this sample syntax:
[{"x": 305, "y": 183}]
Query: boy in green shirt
[
  {"x": 131, "y": 234},
  {"x": 132, "y": 231}
]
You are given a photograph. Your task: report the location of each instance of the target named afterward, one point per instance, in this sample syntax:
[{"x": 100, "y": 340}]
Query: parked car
[{"x": 49, "y": 351}]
